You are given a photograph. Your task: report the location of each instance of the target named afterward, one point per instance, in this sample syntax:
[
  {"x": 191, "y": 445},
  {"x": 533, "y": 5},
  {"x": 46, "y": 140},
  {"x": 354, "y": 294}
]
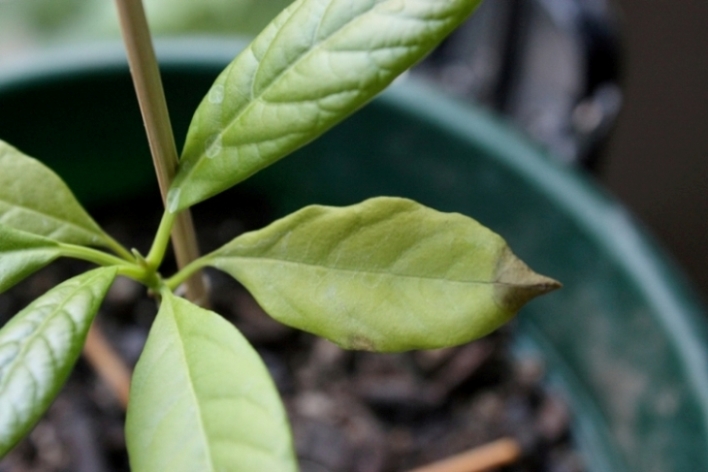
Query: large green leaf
[
  {"x": 388, "y": 275},
  {"x": 34, "y": 199},
  {"x": 39, "y": 346},
  {"x": 202, "y": 399},
  {"x": 21, "y": 254},
  {"x": 316, "y": 63}
]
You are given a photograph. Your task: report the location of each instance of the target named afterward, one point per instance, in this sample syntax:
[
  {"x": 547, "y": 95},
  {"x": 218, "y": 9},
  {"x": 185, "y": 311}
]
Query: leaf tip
[{"x": 516, "y": 284}]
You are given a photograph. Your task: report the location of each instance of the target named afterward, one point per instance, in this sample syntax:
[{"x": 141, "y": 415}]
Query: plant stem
[
  {"x": 184, "y": 274},
  {"x": 118, "y": 248},
  {"x": 153, "y": 106},
  {"x": 128, "y": 269},
  {"x": 90, "y": 255},
  {"x": 162, "y": 237}
]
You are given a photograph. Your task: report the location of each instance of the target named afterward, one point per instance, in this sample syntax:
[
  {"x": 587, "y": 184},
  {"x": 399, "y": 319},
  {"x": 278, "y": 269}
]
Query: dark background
[{"x": 657, "y": 159}]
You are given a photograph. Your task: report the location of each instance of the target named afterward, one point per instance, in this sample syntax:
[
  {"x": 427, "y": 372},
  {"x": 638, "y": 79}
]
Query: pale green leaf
[
  {"x": 316, "y": 63},
  {"x": 39, "y": 346},
  {"x": 22, "y": 254},
  {"x": 202, "y": 399},
  {"x": 388, "y": 275},
  {"x": 34, "y": 199}
]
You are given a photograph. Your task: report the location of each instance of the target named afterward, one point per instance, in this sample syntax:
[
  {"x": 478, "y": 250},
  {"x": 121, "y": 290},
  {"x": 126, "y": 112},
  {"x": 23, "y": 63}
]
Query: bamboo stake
[
  {"x": 489, "y": 456},
  {"x": 108, "y": 364},
  {"x": 153, "y": 106}
]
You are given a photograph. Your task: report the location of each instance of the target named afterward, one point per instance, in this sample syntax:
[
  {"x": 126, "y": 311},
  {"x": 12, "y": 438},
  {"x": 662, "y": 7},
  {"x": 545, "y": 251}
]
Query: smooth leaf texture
[
  {"x": 387, "y": 275},
  {"x": 22, "y": 254},
  {"x": 39, "y": 346},
  {"x": 316, "y": 63},
  {"x": 202, "y": 399},
  {"x": 34, "y": 199}
]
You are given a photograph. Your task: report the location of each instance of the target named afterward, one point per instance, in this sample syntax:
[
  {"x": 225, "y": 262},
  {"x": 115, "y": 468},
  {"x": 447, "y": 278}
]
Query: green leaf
[
  {"x": 21, "y": 254},
  {"x": 316, "y": 63},
  {"x": 34, "y": 199},
  {"x": 38, "y": 348},
  {"x": 202, "y": 399},
  {"x": 387, "y": 274}
]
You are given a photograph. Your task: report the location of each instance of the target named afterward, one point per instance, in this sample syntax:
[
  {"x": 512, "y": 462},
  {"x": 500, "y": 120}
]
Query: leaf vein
[
  {"x": 37, "y": 328},
  {"x": 216, "y": 260}
]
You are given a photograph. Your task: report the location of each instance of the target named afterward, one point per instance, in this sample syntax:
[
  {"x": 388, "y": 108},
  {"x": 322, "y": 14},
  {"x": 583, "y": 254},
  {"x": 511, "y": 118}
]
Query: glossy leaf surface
[
  {"x": 387, "y": 275},
  {"x": 22, "y": 254},
  {"x": 316, "y": 63},
  {"x": 39, "y": 346},
  {"x": 202, "y": 399},
  {"x": 34, "y": 199}
]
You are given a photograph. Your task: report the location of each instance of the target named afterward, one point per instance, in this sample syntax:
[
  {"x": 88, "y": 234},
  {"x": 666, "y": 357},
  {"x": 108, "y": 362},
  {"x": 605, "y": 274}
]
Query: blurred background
[
  {"x": 614, "y": 87},
  {"x": 657, "y": 158}
]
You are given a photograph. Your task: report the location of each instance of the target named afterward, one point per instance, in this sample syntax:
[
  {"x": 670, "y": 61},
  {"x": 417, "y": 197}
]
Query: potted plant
[
  {"x": 545, "y": 193},
  {"x": 375, "y": 276}
]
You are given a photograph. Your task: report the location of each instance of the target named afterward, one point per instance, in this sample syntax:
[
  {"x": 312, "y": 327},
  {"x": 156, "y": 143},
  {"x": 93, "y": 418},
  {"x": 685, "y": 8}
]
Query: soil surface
[{"x": 350, "y": 411}]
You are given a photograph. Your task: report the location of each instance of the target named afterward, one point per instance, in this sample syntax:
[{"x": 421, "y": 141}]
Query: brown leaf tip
[{"x": 515, "y": 284}]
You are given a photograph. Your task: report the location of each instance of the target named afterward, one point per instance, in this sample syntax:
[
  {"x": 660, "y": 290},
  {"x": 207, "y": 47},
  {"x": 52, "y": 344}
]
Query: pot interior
[{"x": 624, "y": 336}]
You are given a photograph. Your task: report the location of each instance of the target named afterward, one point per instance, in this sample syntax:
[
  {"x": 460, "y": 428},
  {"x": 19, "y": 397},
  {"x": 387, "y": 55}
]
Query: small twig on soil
[
  {"x": 489, "y": 456},
  {"x": 153, "y": 106},
  {"x": 108, "y": 364}
]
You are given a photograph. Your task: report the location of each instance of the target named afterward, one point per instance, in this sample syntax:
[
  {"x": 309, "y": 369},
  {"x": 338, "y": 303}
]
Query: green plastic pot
[{"x": 625, "y": 337}]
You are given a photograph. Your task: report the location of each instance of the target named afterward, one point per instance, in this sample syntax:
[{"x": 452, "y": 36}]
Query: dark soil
[{"x": 350, "y": 411}]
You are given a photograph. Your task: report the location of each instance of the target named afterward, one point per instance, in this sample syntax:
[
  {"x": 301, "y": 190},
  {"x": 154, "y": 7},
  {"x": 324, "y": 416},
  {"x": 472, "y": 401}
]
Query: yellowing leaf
[
  {"x": 316, "y": 63},
  {"x": 388, "y": 275}
]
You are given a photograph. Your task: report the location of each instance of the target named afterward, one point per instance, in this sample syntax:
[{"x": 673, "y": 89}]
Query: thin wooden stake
[
  {"x": 108, "y": 364},
  {"x": 153, "y": 106},
  {"x": 490, "y": 456}
]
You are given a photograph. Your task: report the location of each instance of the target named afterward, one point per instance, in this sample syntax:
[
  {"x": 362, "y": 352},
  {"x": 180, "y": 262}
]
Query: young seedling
[{"x": 385, "y": 275}]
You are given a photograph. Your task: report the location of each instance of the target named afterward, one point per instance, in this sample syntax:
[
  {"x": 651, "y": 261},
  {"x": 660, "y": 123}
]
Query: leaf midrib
[
  {"x": 29, "y": 340},
  {"x": 188, "y": 369},
  {"x": 255, "y": 98},
  {"x": 356, "y": 271}
]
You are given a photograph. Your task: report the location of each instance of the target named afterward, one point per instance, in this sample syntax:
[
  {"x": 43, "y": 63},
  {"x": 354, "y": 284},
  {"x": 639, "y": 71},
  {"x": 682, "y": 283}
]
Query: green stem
[
  {"x": 185, "y": 273},
  {"x": 134, "y": 271},
  {"x": 137, "y": 273},
  {"x": 118, "y": 248},
  {"x": 90, "y": 255},
  {"x": 162, "y": 239}
]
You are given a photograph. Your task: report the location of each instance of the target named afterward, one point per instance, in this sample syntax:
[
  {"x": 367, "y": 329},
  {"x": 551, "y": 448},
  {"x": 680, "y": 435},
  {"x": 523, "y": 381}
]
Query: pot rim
[{"x": 607, "y": 222}]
